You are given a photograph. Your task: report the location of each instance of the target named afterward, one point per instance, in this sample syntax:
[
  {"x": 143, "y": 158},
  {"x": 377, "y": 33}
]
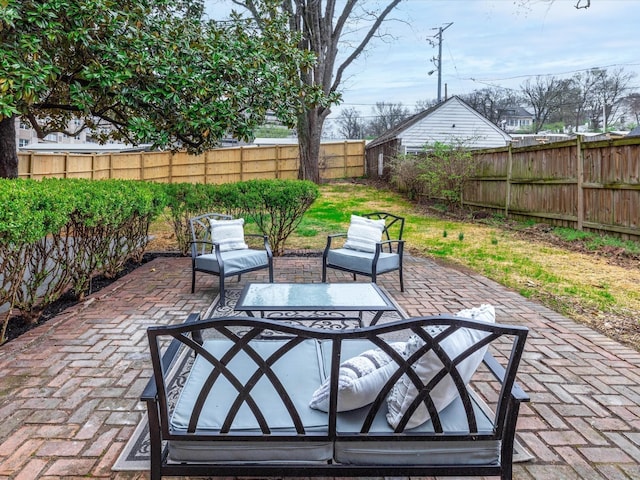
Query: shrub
[
  {"x": 56, "y": 234},
  {"x": 444, "y": 171},
  {"x": 405, "y": 175},
  {"x": 439, "y": 173},
  {"x": 276, "y": 207}
]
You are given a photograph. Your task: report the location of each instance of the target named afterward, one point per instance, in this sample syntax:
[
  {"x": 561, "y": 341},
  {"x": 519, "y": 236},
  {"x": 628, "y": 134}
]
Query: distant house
[
  {"x": 635, "y": 132},
  {"x": 516, "y": 119},
  {"x": 452, "y": 121}
]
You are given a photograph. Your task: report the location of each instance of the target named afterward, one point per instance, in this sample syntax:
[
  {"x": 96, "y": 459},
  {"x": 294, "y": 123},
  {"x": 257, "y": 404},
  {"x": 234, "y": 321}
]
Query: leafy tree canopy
[{"x": 152, "y": 68}]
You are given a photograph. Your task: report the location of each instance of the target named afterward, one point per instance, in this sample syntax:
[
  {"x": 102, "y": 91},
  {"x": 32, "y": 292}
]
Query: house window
[{"x": 23, "y": 142}]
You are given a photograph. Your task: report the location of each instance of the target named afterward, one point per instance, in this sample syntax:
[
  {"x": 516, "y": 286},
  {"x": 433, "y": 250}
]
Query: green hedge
[
  {"x": 56, "y": 234},
  {"x": 276, "y": 207}
]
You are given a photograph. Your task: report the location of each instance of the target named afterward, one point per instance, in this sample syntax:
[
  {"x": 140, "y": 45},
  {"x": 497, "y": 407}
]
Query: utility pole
[{"x": 438, "y": 61}]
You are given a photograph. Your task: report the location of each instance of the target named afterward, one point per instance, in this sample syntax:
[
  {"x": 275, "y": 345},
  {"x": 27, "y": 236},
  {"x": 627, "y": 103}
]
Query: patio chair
[
  {"x": 373, "y": 246},
  {"x": 218, "y": 247}
]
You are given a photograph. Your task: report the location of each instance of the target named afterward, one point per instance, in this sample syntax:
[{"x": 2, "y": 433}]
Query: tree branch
[{"x": 363, "y": 44}]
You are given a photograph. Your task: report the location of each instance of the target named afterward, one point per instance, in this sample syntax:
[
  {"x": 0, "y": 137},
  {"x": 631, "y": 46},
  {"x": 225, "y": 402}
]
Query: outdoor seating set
[
  {"x": 373, "y": 246},
  {"x": 254, "y": 396}
]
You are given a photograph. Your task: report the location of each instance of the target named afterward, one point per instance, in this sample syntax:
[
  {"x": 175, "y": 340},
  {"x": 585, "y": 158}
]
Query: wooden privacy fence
[
  {"x": 577, "y": 184},
  {"x": 224, "y": 165}
]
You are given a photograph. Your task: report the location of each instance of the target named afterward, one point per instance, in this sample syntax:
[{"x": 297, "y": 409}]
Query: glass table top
[{"x": 321, "y": 296}]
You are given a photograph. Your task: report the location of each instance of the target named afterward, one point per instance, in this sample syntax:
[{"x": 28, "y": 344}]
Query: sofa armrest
[{"x": 498, "y": 371}]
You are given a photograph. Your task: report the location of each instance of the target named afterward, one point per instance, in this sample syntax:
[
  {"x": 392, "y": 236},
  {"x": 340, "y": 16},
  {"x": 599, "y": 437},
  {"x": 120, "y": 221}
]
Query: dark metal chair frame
[
  {"x": 201, "y": 243},
  {"x": 392, "y": 242},
  {"x": 509, "y": 342}
]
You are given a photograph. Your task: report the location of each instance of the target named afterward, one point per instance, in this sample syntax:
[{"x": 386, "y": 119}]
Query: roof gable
[{"x": 450, "y": 121}]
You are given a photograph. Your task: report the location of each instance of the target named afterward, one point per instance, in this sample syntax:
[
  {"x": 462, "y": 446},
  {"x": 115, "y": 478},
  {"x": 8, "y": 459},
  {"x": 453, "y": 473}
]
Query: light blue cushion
[
  {"x": 299, "y": 382},
  {"x": 234, "y": 261},
  {"x": 358, "y": 261},
  {"x": 453, "y": 419},
  {"x": 311, "y": 360},
  {"x": 442, "y": 452}
]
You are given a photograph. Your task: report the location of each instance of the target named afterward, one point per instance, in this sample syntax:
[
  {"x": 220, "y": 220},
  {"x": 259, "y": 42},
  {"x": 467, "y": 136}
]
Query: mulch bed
[{"x": 19, "y": 324}]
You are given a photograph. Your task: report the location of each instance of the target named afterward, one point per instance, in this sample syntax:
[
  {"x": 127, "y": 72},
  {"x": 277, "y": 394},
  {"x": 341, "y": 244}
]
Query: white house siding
[{"x": 453, "y": 121}]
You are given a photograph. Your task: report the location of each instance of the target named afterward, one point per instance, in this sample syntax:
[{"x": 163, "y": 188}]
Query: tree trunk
[
  {"x": 309, "y": 134},
  {"x": 8, "y": 150}
]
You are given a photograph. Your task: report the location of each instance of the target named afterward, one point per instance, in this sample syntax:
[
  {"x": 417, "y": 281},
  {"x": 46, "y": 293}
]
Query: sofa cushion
[
  {"x": 299, "y": 382},
  {"x": 364, "y": 233},
  {"x": 429, "y": 365},
  {"x": 420, "y": 452}
]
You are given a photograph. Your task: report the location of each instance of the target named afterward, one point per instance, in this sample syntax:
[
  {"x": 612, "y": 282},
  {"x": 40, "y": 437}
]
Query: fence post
[
  {"x": 345, "y": 151},
  {"x": 241, "y": 164},
  {"x": 507, "y": 201},
  {"x": 171, "y": 169},
  {"x": 580, "y": 181},
  {"x": 30, "y": 165}
]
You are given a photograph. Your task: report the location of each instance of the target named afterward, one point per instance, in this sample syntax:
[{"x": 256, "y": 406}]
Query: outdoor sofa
[{"x": 233, "y": 397}]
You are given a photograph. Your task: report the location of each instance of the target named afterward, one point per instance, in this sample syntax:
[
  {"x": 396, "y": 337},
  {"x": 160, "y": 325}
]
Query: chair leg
[
  {"x": 193, "y": 280},
  {"x": 401, "y": 281},
  {"x": 324, "y": 272},
  {"x": 221, "y": 283},
  {"x": 354, "y": 278}
]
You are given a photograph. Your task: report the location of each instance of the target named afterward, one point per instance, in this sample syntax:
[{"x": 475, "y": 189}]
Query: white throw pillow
[
  {"x": 229, "y": 234},
  {"x": 364, "y": 233},
  {"x": 404, "y": 391},
  {"x": 360, "y": 380}
]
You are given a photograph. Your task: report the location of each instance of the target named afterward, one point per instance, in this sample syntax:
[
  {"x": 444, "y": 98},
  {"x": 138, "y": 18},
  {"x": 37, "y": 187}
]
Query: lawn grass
[
  {"x": 564, "y": 280},
  {"x": 581, "y": 286}
]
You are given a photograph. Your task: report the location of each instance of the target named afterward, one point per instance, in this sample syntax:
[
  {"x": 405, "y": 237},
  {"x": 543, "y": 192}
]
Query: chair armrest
[
  {"x": 265, "y": 241},
  {"x": 330, "y": 239},
  {"x": 399, "y": 246},
  {"x": 194, "y": 246}
]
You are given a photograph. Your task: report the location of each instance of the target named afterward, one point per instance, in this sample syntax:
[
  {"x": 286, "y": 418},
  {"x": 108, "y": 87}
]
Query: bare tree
[
  {"x": 493, "y": 103},
  {"x": 544, "y": 95},
  {"x": 615, "y": 86},
  {"x": 350, "y": 123},
  {"x": 385, "y": 117},
  {"x": 633, "y": 104},
  {"x": 322, "y": 25},
  {"x": 422, "y": 105},
  {"x": 605, "y": 98}
]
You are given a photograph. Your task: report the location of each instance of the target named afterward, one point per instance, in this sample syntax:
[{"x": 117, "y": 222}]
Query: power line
[{"x": 487, "y": 80}]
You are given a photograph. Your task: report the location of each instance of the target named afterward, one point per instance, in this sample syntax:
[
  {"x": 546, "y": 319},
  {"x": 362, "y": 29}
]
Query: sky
[{"x": 487, "y": 43}]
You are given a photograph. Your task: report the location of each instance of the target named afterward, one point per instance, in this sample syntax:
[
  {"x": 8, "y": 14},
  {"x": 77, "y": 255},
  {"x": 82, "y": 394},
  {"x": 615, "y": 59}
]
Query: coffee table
[{"x": 315, "y": 297}]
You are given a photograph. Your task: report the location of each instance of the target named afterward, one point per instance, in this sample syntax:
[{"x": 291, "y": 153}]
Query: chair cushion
[
  {"x": 429, "y": 365},
  {"x": 364, "y": 233},
  {"x": 357, "y": 261},
  {"x": 234, "y": 261},
  {"x": 360, "y": 380},
  {"x": 228, "y": 233}
]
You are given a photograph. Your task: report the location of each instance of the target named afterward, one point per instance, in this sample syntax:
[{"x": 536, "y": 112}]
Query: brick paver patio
[{"x": 69, "y": 389}]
